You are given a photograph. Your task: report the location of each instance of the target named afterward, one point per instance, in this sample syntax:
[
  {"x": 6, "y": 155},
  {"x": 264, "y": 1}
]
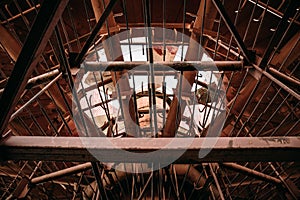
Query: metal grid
[{"x": 263, "y": 97}]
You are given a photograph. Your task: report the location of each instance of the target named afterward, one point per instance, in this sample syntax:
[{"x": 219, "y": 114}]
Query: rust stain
[{"x": 230, "y": 143}]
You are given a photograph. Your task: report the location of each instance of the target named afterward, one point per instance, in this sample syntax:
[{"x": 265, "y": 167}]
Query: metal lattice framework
[{"x": 55, "y": 53}]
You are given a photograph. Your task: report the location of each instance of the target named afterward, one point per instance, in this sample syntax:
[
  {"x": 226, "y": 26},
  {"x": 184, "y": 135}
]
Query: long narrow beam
[
  {"x": 34, "y": 97},
  {"x": 251, "y": 172},
  {"x": 25, "y": 185},
  {"x": 223, "y": 149},
  {"x": 166, "y": 66},
  {"x": 13, "y": 48},
  {"x": 61, "y": 173},
  {"x": 289, "y": 79},
  {"x": 41, "y": 30},
  {"x": 33, "y": 8}
]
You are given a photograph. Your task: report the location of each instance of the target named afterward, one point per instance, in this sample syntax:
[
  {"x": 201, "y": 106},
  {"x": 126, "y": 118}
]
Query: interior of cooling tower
[{"x": 149, "y": 99}]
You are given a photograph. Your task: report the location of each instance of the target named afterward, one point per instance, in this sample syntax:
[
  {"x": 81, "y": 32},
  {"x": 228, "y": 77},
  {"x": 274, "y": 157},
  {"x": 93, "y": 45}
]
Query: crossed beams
[{"x": 42, "y": 28}]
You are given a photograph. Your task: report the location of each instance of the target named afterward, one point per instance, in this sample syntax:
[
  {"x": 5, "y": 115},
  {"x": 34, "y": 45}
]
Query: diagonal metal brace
[
  {"x": 36, "y": 41},
  {"x": 248, "y": 55}
]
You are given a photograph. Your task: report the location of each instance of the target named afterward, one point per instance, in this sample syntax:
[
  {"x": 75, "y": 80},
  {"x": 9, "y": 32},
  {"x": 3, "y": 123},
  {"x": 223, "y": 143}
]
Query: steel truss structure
[{"x": 55, "y": 53}]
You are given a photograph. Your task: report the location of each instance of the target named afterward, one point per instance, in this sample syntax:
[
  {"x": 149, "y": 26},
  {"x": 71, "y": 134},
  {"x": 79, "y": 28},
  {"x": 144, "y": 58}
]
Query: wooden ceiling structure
[{"x": 254, "y": 46}]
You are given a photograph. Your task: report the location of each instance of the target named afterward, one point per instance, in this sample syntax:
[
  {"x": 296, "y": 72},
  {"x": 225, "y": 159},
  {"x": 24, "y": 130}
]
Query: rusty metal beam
[
  {"x": 40, "y": 32},
  {"x": 226, "y": 149},
  {"x": 21, "y": 14},
  {"x": 251, "y": 172},
  {"x": 25, "y": 185},
  {"x": 285, "y": 56},
  {"x": 166, "y": 66},
  {"x": 285, "y": 77},
  {"x": 155, "y": 24},
  {"x": 13, "y": 115}
]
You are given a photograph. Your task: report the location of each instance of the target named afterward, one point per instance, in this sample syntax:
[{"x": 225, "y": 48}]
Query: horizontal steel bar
[
  {"x": 155, "y": 24},
  {"x": 165, "y": 66},
  {"x": 222, "y": 149}
]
